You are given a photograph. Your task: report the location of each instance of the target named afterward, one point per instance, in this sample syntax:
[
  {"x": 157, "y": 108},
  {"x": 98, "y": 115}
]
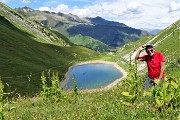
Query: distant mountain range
[
  {"x": 152, "y": 31},
  {"x": 95, "y": 33}
]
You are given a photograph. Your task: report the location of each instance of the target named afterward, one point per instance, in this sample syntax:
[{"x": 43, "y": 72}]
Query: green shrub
[
  {"x": 133, "y": 85},
  {"x": 165, "y": 95},
  {"x": 51, "y": 91},
  {"x": 4, "y": 108}
]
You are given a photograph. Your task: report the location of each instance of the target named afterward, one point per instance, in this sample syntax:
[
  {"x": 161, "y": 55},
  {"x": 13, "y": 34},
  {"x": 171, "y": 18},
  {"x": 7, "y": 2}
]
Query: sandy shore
[{"x": 63, "y": 83}]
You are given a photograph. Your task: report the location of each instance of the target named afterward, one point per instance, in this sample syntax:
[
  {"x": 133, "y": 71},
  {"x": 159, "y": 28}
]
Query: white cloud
[
  {"x": 25, "y": 1},
  {"x": 44, "y": 9},
  {"x": 174, "y": 6},
  {"x": 134, "y": 7},
  {"x": 81, "y": 12},
  {"x": 111, "y": 9},
  {"x": 62, "y": 8},
  {"x": 134, "y": 13}
]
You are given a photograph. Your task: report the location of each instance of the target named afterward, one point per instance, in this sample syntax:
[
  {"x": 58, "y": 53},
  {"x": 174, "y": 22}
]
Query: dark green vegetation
[
  {"x": 97, "y": 33},
  {"x": 24, "y": 54}
]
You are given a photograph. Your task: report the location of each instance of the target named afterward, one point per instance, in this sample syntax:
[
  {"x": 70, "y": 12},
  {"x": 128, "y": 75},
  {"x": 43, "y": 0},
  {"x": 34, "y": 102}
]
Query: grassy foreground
[{"x": 126, "y": 101}]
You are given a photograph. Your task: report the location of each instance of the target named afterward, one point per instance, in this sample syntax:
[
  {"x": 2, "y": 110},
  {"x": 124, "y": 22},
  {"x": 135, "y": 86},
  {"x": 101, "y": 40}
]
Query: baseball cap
[{"x": 149, "y": 45}]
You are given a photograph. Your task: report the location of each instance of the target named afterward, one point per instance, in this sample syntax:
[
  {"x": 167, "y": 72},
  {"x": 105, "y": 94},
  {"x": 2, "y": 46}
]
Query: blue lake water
[{"x": 93, "y": 76}]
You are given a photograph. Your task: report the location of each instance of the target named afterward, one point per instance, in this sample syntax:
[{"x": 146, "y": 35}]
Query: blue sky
[
  {"x": 35, "y": 4},
  {"x": 152, "y": 14}
]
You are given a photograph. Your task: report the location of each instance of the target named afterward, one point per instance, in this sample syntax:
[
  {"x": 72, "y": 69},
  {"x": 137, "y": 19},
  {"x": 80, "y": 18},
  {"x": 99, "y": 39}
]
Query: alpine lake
[{"x": 92, "y": 76}]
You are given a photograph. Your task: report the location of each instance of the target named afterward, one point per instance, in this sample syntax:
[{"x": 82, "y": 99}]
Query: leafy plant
[
  {"x": 51, "y": 91},
  {"x": 166, "y": 95},
  {"x": 3, "y": 104},
  {"x": 132, "y": 83},
  {"x": 75, "y": 89}
]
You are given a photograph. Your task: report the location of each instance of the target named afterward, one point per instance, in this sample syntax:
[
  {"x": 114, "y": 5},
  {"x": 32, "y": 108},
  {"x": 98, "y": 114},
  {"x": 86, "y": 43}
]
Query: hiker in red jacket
[{"x": 155, "y": 63}]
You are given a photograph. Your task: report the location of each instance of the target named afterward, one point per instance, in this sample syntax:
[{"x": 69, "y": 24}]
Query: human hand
[
  {"x": 141, "y": 48},
  {"x": 156, "y": 81}
]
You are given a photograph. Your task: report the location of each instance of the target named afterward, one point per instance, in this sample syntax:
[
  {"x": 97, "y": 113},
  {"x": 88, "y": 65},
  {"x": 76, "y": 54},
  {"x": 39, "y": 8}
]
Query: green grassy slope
[
  {"x": 22, "y": 55},
  {"x": 131, "y": 46},
  {"x": 89, "y": 42}
]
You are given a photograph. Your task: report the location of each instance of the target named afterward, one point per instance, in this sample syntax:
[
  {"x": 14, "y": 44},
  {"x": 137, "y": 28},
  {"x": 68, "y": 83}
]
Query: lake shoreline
[{"x": 124, "y": 74}]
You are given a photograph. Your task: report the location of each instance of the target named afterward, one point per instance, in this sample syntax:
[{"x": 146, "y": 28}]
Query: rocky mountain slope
[{"x": 39, "y": 32}]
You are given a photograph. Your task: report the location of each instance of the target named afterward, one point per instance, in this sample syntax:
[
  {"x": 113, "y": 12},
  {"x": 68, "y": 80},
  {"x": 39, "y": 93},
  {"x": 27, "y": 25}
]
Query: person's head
[{"x": 150, "y": 49}]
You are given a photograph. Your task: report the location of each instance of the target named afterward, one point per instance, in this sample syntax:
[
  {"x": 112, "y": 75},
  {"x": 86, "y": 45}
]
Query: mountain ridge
[
  {"x": 100, "y": 21},
  {"x": 71, "y": 25}
]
